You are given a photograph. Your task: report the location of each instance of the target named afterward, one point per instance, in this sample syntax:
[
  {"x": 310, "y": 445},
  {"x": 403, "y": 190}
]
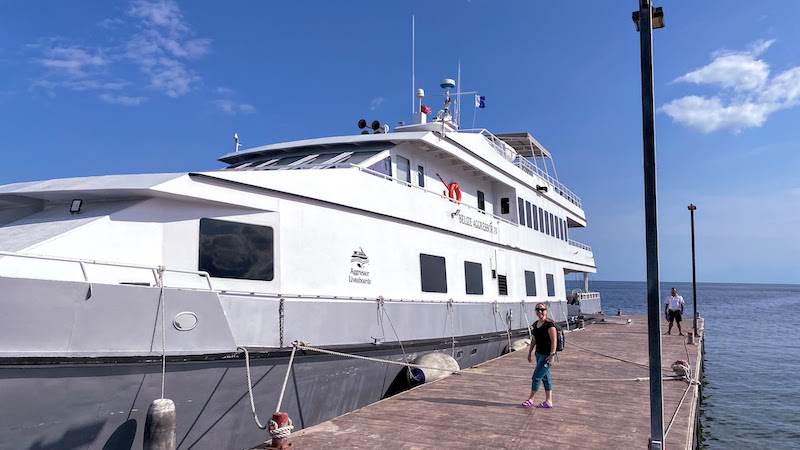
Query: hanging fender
[{"x": 454, "y": 192}]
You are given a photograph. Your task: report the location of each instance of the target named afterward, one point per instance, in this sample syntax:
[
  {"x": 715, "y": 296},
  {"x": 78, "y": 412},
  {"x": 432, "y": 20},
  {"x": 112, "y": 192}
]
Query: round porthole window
[{"x": 185, "y": 321}]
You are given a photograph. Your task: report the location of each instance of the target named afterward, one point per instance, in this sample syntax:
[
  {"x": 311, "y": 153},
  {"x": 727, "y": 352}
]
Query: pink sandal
[
  {"x": 544, "y": 405},
  {"x": 527, "y": 404}
]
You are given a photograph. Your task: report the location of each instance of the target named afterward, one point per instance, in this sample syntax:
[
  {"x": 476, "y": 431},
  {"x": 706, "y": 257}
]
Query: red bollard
[{"x": 280, "y": 426}]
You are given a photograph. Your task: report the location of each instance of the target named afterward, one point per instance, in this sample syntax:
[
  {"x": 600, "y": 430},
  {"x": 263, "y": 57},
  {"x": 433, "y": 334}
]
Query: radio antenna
[{"x": 413, "y": 83}]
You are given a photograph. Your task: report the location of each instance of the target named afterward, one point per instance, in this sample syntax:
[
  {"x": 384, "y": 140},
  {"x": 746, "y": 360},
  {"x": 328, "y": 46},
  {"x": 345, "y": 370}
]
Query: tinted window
[
  {"x": 528, "y": 213},
  {"x": 551, "y": 285},
  {"x": 474, "y": 277},
  {"x": 433, "y": 273},
  {"x": 403, "y": 169},
  {"x": 566, "y": 231},
  {"x": 421, "y": 176},
  {"x": 530, "y": 284},
  {"x": 521, "y": 207},
  {"x": 481, "y": 201},
  {"x": 383, "y": 166},
  {"x": 541, "y": 220},
  {"x": 505, "y": 205},
  {"x": 557, "y": 224},
  {"x": 535, "y": 218},
  {"x": 236, "y": 250},
  {"x": 547, "y": 222}
]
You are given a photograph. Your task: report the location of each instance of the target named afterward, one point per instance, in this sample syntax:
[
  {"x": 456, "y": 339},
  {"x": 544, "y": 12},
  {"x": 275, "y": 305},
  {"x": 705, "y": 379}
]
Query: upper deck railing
[
  {"x": 511, "y": 155},
  {"x": 579, "y": 245}
]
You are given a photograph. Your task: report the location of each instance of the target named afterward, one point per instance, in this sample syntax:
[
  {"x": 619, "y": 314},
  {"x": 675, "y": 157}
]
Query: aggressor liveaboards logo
[{"x": 359, "y": 275}]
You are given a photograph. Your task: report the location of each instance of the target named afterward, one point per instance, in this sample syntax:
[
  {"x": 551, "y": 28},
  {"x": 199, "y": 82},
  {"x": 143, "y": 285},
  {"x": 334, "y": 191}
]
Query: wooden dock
[{"x": 598, "y": 405}]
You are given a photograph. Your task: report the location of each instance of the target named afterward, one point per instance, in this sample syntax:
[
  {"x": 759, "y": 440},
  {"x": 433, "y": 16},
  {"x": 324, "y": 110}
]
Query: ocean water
[{"x": 751, "y": 389}]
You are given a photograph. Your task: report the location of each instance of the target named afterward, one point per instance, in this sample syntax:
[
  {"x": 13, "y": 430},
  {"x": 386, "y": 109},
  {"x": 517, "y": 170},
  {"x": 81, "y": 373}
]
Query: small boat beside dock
[{"x": 601, "y": 401}]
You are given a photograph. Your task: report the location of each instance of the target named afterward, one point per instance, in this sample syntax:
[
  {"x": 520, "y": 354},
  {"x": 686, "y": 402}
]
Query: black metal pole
[
  {"x": 651, "y": 227},
  {"x": 692, "y": 208}
]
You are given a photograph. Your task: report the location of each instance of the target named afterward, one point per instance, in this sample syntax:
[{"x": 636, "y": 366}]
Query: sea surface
[{"x": 751, "y": 389}]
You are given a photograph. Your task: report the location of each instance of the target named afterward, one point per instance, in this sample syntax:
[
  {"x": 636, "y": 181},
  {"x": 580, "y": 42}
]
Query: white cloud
[
  {"x": 157, "y": 41},
  {"x": 376, "y": 103},
  {"x": 748, "y": 95},
  {"x": 232, "y": 108},
  {"x": 159, "y": 48},
  {"x": 72, "y": 60},
  {"x": 122, "y": 99}
]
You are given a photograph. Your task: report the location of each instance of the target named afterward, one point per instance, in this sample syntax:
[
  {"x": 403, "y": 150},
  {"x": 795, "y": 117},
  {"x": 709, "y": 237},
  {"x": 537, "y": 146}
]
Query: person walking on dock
[
  {"x": 543, "y": 338},
  {"x": 674, "y": 309}
]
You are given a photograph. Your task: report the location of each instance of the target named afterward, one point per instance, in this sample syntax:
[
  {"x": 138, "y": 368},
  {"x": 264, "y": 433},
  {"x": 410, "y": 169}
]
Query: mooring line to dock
[
  {"x": 608, "y": 356},
  {"x": 470, "y": 371},
  {"x": 162, "y": 303},
  {"x": 250, "y": 386},
  {"x": 381, "y": 313}
]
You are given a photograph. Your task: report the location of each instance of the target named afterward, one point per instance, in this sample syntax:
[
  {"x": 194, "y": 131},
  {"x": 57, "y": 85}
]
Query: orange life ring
[{"x": 454, "y": 192}]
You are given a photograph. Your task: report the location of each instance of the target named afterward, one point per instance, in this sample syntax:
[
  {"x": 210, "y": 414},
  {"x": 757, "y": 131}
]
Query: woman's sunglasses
[{"x": 541, "y": 309}]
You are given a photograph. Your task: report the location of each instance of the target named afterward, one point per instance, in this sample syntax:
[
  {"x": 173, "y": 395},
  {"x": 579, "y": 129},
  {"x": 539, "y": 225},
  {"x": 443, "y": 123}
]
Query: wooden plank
[{"x": 597, "y": 406}]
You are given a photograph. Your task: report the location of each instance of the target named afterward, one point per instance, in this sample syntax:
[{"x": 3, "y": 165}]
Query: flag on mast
[{"x": 480, "y": 101}]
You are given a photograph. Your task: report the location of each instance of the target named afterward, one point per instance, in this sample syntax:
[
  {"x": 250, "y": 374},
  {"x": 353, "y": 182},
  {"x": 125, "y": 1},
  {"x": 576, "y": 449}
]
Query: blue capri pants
[{"x": 541, "y": 373}]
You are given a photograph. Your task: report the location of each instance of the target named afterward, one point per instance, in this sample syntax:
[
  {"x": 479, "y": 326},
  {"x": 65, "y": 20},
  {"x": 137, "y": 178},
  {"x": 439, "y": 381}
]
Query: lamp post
[
  {"x": 646, "y": 19},
  {"x": 692, "y": 209}
]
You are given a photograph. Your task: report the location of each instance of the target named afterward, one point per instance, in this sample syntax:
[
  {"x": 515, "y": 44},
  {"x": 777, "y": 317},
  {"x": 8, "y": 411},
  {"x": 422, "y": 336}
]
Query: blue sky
[{"x": 105, "y": 87}]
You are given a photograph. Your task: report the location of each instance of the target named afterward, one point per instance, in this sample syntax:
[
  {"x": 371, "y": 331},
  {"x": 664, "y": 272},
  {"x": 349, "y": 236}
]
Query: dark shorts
[{"x": 674, "y": 315}]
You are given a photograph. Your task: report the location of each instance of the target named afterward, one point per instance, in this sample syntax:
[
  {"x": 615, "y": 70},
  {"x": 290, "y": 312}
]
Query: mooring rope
[
  {"x": 286, "y": 379},
  {"x": 382, "y": 308},
  {"x": 250, "y": 387},
  {"x": 452, "y": 327},
  {"x": 162, "y": 304},
  {"x": 467, "y": 371}
]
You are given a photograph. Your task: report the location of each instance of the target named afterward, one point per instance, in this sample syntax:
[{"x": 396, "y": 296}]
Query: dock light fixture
[
  {"x": 646, "y": 19},
  {"x": 692, "y": 209},
  {"x": 541, "y": 188},
  {"x": 75, "y": 206},
  {"x": 658, "y": 18}
]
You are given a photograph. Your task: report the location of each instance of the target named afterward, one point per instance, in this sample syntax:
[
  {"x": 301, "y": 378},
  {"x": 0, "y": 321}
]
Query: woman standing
[{"x": 544, "y": 339}]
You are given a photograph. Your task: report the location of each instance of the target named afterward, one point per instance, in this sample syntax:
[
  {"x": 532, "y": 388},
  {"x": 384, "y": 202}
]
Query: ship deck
[{"x": 598, "y": 402}]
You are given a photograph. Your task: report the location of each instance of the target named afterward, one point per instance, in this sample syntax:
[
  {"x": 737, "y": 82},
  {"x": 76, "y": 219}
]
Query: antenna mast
[{"x": 413, "y": 83}]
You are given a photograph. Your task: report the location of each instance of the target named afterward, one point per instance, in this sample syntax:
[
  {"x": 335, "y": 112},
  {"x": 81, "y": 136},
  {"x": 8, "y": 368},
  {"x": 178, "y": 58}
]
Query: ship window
[
  {"x": 505, "y": 205},
  {"x": 521, "y": 206},
  {"x": 502, "y": 285},
  {"x": 433, "y": 273},
  {"x": 566, "y": 231},
  {"x": 403, "y": 169},
  {"x": 528, "y": 214},
  {"x": 421, "y": 176},
  {"x": 552, "y": 225},
  {"x": 473, "y": 274},
  {"x": 535, "y": 218},
  {"x": 383, "y": 166},
  {"x": 236, "y": 250},
  {"x": 547, "y": 222},
  {"x": 541, "y": 220},
  {"x": 481, "y": 201},
  {"x": 530, "y": 283},
  {"x": 557, "y": 224},
  {"x": 551, "y": 285}
]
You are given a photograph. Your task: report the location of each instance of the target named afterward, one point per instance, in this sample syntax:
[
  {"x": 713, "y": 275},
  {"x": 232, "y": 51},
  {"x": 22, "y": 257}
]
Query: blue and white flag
[{"x": 480, "y": 101}]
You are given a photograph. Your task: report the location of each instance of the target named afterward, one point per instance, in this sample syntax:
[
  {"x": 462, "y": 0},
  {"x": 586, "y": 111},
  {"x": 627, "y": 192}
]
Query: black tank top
[{"x": 544, "y": 345}]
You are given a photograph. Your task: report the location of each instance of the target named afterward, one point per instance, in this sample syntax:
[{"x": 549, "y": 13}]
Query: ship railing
[
  {"x": 83, "y": 263},
  {"x": 428, "y": 191},
  {"x": 588, "y": 295},
  {"x": 579, "y": 245},
  {"x": 511, "y": 155}
]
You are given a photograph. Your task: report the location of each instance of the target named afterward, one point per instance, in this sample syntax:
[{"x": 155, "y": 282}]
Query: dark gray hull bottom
[{"x": 104, "y": 405}]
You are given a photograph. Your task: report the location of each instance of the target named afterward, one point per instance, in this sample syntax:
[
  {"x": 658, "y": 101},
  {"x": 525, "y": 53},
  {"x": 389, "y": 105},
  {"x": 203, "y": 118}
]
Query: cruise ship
[{"x": 383, "y": 244}]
